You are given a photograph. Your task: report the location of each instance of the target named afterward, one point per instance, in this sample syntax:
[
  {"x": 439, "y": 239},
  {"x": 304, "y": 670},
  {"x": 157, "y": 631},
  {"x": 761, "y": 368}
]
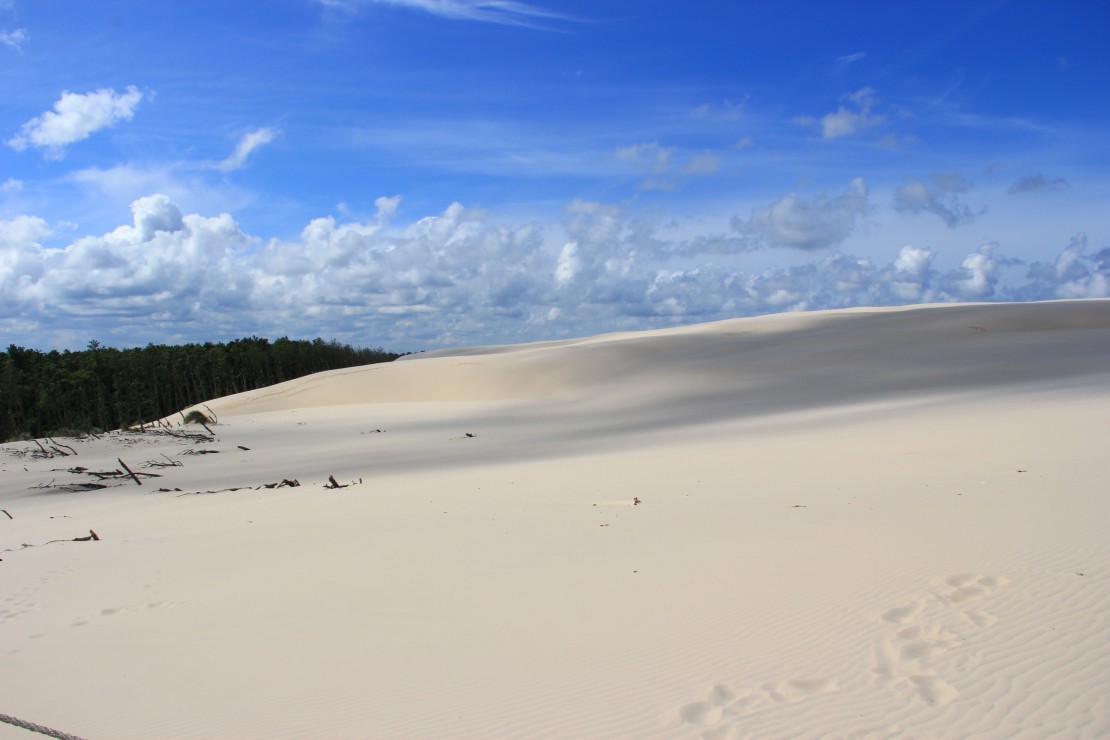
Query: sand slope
[{"x": 865, "y": 523}]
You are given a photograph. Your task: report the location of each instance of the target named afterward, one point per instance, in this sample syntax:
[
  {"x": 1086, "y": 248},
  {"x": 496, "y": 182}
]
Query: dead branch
[
  {"x": 92, "y": 537},
  {"x": 85, "y": 486},
  {"x": 57, "y": 444},
  {"x": 159, "y": 464},
  {"x": 285, "y": 483},
  {"x": 333, "y": 483},
  {"x": 129, "y": 471}
]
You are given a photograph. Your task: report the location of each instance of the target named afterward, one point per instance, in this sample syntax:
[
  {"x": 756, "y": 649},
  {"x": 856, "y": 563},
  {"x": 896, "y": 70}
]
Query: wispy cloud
[
  {"x": 247, "y": 144},
  {"x": 846, "y": 60},
  {"x": 75, "y": 117},
  {"x": 1036, "y": 183},
  {"x": 504, "y": 12},
  {"x": 14, "y": 39}
]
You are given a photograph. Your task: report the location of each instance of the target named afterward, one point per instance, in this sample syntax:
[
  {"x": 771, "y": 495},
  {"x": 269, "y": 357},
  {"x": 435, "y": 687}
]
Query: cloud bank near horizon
[{"x": 455, "y": 278}]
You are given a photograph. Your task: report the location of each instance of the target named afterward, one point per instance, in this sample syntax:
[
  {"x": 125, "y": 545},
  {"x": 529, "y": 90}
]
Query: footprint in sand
[
  {"x": 723, "y": 705},
  {"x": 928, "y": 628}
]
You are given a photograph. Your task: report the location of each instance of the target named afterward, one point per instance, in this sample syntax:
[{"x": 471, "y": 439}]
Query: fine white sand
[{"x": 875, "y": 523}]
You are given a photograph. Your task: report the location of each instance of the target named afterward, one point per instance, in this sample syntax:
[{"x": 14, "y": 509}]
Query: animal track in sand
[{"x": 924, "y": 631}]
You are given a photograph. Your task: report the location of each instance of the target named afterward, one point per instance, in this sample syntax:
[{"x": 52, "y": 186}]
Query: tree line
[{"x": 101, "y": 388}]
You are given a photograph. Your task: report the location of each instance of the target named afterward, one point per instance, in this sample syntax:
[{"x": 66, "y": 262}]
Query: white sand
[{"x": 861, "y": 523}]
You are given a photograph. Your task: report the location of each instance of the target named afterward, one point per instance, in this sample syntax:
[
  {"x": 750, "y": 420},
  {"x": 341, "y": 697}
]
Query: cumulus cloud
[
  {"x": 1036, "y": 183},
  {"x": 941, "y": 196},
  {"x": 15, "y": 39},
  {"x": 816, "y": 223},
  {"x": 1072, "y": 275},
  {"x": 855, "y": 114},
  {"x": 977, "y": 277},
  {"x": 248, "y": 142},
  {"x": 458, "y": 277},
  {"x": 75, "y": 117}
]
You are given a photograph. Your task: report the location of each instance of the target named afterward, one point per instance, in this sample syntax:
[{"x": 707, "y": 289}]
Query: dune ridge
[{"x": 861, "y": 523}]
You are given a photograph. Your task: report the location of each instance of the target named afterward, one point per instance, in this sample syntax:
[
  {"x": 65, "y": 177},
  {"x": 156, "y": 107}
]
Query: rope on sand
[{"x": 37, "y": 728}]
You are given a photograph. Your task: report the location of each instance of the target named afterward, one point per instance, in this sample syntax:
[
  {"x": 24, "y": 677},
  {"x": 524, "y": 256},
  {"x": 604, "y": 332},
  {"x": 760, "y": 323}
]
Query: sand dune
[{"x": 863, "y": 523}]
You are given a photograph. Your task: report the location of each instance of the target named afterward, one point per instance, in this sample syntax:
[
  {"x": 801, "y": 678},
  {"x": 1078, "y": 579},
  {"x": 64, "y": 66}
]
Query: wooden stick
[
  {"x": 59, "y": 444},
  {"x": 130, "y": 472}
]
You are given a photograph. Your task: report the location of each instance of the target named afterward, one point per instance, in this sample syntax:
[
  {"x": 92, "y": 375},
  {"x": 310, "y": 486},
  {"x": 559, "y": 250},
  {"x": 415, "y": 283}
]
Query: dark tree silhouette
[{"x": 101, "y": 388}]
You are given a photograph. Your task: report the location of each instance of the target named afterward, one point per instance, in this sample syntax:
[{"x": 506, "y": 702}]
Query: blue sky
[{"x": 423, "y": 173}]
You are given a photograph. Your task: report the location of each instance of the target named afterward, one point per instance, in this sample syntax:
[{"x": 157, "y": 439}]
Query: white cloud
[
  {"x": 843, "y": 61},
  {"x": 941, "y": 197},
  {"x": 75, "y": 117},
  {"x": 156, "y": 213},
  {"x": 659, "y": 164},
  {"x": 727, "y": 110},
  {"x": 1072, "y": 275},
  {"x": 704, "y": 163},
  {"x": 248, "y": 142},
  {"x": 14, "y": 39},
  {"x": 649, "y": 157},
  {"x": 977, "y": 277},
  {"x": 853, "y": 116},
  {"x": 455, "y": 278},
  {"x": 505, "y": 12},
  {"x": 568, "y": 265},
  {"x": 387, "y": 206},
  {"x": 817, "y": 223},
  {"x": 11, "y": 185}
]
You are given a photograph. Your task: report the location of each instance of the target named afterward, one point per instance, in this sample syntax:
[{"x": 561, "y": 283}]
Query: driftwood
[
  {"x": 91, "y": 537},
  {"x": 285, "y": 483},
  {"x": 58, "y": 444},
  {"x": 6, "y": 512},
  {"x": 129, "y": 471},
  {"x": 160, "y": 464},
  {"x": 333, "y": 483}
]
